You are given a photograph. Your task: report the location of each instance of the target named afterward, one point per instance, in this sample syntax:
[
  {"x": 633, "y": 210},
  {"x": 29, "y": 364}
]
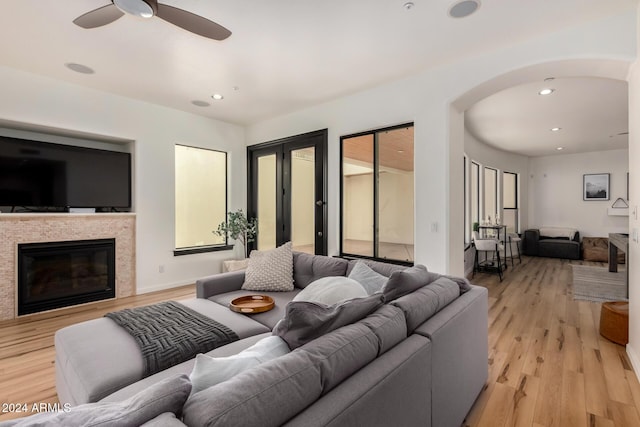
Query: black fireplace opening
[{"x": 60, "y": 274}]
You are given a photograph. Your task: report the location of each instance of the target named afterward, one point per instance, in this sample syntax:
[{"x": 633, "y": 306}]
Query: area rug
[{"x": 597, "y": 284}]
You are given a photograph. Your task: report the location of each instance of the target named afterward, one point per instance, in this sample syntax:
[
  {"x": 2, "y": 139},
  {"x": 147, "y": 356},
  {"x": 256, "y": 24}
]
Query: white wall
[
  {"x": 33, "y": 99},
  {"x": 425, "y": 99},
  {"x": 633, "y": 348},
  {"x": 555, "y": 185}
]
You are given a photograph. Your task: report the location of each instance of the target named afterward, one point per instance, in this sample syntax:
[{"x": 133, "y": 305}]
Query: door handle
[{"x": 320, "y": 203}]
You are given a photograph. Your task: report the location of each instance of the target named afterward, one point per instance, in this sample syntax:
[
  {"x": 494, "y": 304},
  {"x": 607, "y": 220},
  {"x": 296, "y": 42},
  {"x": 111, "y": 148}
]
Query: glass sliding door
[
  {"x": 357, "y": 195},
  {"x": 377, "y": 213},
  {"x": 395, "y": 194}
]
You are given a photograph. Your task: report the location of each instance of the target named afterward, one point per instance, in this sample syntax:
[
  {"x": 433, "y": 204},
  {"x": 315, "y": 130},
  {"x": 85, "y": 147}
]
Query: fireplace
[{"x": 59, "y": 274}]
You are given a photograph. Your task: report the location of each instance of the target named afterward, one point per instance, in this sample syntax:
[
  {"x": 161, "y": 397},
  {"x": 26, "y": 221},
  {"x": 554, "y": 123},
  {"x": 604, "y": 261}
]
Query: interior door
[{"x": 287, "y": 192}]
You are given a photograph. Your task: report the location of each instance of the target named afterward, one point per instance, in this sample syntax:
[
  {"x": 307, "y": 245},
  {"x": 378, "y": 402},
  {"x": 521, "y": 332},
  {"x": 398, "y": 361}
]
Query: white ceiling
[
  {"x": 591, "y": 112},
  {"x": 283, "y": 55}
]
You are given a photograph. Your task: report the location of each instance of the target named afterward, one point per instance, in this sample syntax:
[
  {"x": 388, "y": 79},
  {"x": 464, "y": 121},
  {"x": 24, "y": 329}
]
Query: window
[
  {"x": 490, "y": 194},
  {"x": 475, "y": 193},
  {"x": 377, "y": 194},
  {"x": 510, "y": 201},
  {"x": 201, "y": 197}
]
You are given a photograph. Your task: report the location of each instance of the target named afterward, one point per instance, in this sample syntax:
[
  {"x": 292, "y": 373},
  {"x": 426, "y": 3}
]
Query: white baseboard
[
  {"x": 633, "y": 358},
  {"x": 164, "y": 286}
]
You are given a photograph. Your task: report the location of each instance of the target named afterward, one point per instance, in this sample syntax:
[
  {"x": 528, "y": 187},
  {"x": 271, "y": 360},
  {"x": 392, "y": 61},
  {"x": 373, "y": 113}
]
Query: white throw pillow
[
  {"x": 270, "y": 270},
  {"x": 330, "y": 290},
  {"x": 371, "y": 281},
  {"x": 209, "y": 371}
]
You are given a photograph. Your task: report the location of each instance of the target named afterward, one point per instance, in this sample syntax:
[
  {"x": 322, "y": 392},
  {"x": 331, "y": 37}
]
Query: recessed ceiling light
[
  {"x": 560, "y": 148},
  {"x": 408, "y": 5},
  {"x": 400, "y": 151},
  {"x": 548, "y": 79},
  {"x": 464, "y": 8},
  {"x": 139, "y": 8},
  {"x": 79, "y": 68},
  {"x": 217, "y": 96},
  {"x": 546, "y": 91},
  {"x": 199, "y": 103},
  {"x": 555, "y": 129}
]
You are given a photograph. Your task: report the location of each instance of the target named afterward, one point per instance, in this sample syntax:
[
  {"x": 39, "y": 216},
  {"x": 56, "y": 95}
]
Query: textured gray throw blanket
[{"x": 169, "y": 333}]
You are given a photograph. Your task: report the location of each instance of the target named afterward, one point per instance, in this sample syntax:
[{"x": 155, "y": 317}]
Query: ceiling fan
[{"x": 148, "y": 9}]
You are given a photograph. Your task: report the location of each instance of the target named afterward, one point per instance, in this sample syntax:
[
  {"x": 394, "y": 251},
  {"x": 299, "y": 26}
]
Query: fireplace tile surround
[{"x": 37, "y": 228}]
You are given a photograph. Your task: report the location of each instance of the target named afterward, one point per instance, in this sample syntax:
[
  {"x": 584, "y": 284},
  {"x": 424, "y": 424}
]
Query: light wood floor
[
  {"x": 548, "y": 365},
  {"x": 27, "y": 373}
]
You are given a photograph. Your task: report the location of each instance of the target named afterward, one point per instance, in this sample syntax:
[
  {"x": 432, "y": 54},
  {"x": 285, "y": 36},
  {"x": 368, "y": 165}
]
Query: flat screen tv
[{"x": 45, "y": 175}]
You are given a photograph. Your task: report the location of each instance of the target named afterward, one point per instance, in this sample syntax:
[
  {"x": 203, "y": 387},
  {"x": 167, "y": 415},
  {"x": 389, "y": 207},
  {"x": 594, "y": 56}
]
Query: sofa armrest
[
  {"x": 219, "y": 284},
  {"x": 460, "y": 355},
  {"x": 530, "y": 242}
]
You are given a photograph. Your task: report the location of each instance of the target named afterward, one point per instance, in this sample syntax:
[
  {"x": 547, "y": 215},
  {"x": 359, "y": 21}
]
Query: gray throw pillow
[
  {"x": 370, "y": 280},
  {"x": 406, "y": 281},
  {"x": 168, "y": 395},
  {"x": 270, "y": 270},
  {"x": 304, "y": 321}
]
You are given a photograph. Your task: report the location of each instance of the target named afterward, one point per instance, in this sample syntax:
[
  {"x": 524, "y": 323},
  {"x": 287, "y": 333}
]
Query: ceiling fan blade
[
  {"x": 99, "y": 17},
  {"x": 193, "y": 23}
]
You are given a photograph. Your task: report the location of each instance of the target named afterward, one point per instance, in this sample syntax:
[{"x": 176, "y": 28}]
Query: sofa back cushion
[
  {"x": 388, "y": 324},
  {"x": 309, "y": 268},
  {"x": 267, "y": 395},
  {"x": 305, "y": 321},
  {"x": 383, "y": 268},
  {"x": 406, "y": 281},
  {"x": 341, "y": 353},
  {"x": 558, "y": 233},
  {"x": 427, "y": 301}
]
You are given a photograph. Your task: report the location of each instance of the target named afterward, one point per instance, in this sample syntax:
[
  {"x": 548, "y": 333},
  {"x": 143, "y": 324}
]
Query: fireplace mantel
[{"x": 53, "y": 227}]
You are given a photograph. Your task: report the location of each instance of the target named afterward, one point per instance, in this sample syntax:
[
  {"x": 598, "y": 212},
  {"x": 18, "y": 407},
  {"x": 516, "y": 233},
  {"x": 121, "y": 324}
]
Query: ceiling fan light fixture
[{"x": 139, "y": 8}]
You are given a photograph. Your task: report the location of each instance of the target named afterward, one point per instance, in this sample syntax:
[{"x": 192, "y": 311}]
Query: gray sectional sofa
[{"x": 418, "y": 360}]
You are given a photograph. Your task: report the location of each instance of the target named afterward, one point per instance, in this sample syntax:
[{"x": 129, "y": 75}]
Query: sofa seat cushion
[
  {"x": 559, "y": 248},
  {"x": 267, "y": 318},
  {"x": 183, "y": 368},
  {"x": 98, "y": 357},
  {"x": 308, "y": 268}
]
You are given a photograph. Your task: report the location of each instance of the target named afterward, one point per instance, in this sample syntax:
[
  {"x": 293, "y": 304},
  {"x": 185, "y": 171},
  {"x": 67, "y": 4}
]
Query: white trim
[
  {"x": 633, "y": 358},
  {"x": 164, "y": 286}
]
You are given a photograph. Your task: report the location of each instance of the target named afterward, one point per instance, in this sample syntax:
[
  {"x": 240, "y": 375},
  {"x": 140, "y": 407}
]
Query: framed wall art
[{"x": 595, "y": 186}]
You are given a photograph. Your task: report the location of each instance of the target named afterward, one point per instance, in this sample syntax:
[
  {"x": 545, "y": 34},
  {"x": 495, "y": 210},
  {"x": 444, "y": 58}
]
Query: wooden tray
[{"x": 250, "y": 304}]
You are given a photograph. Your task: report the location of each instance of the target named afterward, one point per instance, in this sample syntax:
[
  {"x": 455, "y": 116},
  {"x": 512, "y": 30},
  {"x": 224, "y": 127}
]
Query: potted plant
[{"x": 239, "y": 228}]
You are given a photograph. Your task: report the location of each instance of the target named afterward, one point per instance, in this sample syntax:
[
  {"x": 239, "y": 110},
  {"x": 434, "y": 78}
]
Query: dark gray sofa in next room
[
  {"x": 552, "y": 242},
  {"x": 420, "y": 359}
]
